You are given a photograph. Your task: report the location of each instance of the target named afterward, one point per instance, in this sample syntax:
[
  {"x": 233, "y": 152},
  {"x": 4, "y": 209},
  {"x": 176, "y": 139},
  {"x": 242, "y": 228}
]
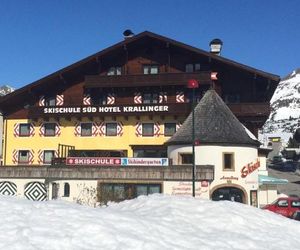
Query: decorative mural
[
  {"x": 87, "y": 100},
  {"x": 15, "y": 157},
  {"x": 179, "y": 96},
  {"x": 110, "y": 99},
  {"x": 8, "y": 188},
  {"x": 56, "y": 133},
  {"x": 163, "y": 98},
  {"x": 137, "y": 99},
  {"x": 17, "y": 130},
  {"x": 59, "y": 100},
  {"x": 35, "y": 191}
]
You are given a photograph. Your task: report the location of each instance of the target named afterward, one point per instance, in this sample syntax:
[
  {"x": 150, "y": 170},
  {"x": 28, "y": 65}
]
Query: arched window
[{"x": 66, "y": 190}]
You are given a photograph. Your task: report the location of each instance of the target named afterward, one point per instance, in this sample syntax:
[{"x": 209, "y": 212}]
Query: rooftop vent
[
  {"x": 216, "y": 46},
  {"x": 128, "y": 34}
]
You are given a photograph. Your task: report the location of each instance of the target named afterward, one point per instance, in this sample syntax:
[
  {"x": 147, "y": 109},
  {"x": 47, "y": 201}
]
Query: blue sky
[{"x": 41, "y": 37}]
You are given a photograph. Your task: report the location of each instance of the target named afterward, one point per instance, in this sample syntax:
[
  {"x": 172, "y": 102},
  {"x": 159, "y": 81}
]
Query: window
[
  {"x": 111, "y": 129},
  {"x": 23, "y": 156},
  {"x": 186, "y": 158},
  {"x": 296, "y": 204},
  {"x": 114, "y": 71},
  {"x": 24, "y": 129},
  {"x": 147, "y": 129},
  {"x": 48, "y": 156},
  {"x": 98, "y": 98},
  {"x": 122, "y": 191},
  {"x": 150, "y": 69},
  {"x": 66, "y": 189},
  {"x": 55, "y": 189},
  {"x": 150, "y": 98},
  {"x": 49, "y": 129},
  {"x": 50, "y": 101},
  {"x": 86, "y": 129},
  {"x": 170, "y": 129},
  {"x": 228, "y": 161},
  {"x": 283, "y": 203},
  {"x": 189, "y": 68},
  {"x": 160, "y": 153}
]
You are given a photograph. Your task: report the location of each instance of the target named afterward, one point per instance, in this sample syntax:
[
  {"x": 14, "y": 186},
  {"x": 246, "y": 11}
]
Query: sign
[
  {"x": 145, "y": 162},
  {"x": 249, "y": 168},
  {"x": 229, "y": 178},
  {"x": 110, "y": 161},
  {"x": 104, "y": 161},
  {"x": 106, "y": 109}
]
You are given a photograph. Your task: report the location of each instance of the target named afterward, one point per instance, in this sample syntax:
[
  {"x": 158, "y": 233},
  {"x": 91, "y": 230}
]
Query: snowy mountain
[
  {"x": 285, "y": 108},
  {"x": 5, "y": 89}
]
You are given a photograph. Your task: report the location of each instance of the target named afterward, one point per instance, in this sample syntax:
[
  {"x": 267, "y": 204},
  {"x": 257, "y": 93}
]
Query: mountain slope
[
  {"x": 5, "y": 89},
  {"x": 285, "y": 107}
]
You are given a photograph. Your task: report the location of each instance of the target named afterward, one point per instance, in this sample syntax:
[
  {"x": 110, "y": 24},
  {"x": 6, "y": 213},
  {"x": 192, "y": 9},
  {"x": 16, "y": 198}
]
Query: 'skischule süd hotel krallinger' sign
[{"x": 115, "y": 109}]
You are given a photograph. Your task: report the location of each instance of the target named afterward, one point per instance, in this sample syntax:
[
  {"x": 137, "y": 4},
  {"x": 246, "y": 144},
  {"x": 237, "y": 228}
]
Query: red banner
[{"x": 95, "y": 161}]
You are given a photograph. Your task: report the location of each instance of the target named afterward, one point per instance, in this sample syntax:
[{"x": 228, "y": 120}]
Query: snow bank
[{"x": 148, "y": 223}]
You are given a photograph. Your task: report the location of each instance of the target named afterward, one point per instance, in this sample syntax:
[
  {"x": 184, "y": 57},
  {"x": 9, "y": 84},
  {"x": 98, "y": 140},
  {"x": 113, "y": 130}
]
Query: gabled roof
[
  {"x": 215, "y": 124},
  {"x": 95, "y": 57}
]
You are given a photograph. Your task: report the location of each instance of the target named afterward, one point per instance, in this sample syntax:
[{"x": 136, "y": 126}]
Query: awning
[{"x": 264, "y": 179}]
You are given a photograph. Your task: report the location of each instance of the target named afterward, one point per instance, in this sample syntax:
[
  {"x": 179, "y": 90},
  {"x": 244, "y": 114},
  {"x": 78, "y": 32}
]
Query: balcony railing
[
  {"x": 162, "y": 79},
  {"x": 250, "y": 109}
]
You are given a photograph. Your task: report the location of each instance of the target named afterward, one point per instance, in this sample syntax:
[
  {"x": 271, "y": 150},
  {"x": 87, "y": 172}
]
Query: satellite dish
[{"x": 128, "y": 34}]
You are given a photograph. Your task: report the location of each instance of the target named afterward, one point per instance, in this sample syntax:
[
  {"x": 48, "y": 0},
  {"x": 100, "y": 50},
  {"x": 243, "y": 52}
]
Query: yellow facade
[{"x": 37, "y": 143}]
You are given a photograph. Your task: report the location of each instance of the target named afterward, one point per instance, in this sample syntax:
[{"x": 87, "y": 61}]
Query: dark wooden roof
[
  {"x": 215, "y": 124},
  {"x": 81, "y": 67}
]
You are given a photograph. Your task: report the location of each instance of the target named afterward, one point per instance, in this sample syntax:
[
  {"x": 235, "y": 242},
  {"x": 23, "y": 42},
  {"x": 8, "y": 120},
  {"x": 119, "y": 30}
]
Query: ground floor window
[
  {"x": 124, "y": 191},
  {"x": 66, "y": 189}
]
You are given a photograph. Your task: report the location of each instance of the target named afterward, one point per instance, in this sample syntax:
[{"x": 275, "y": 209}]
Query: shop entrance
[{"x": 228, "y": 193}]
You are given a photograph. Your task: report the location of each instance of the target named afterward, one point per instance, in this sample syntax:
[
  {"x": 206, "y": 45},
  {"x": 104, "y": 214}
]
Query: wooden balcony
[
  {"x": 162, "y": 79},
  {"x": 250, "y": 109}
]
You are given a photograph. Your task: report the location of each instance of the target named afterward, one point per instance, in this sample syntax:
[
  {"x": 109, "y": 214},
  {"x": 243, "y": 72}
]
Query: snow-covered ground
[{"x": 148, "y": 223}]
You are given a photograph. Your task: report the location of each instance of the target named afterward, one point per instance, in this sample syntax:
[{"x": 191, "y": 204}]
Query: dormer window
[
  {"x": 192, "y": 67},
  {"x": 150, "y": 69},
  {"x": 113, "y": 71}
]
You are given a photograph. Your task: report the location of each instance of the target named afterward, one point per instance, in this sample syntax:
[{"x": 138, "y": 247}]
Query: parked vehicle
[
  {"x": 296, "y": 215},
  {"x": 286, "y": 206}
]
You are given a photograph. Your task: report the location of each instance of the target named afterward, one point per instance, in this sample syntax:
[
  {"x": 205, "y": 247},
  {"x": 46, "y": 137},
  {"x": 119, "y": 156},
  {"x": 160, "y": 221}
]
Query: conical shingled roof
[{"x": 215, "y": 124}]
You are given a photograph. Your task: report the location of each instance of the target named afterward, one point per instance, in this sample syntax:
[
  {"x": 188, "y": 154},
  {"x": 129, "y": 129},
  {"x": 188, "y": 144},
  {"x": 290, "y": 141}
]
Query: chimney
[
  {"x": 216, "y": 46},
  {"x": 128, "y": 34}
]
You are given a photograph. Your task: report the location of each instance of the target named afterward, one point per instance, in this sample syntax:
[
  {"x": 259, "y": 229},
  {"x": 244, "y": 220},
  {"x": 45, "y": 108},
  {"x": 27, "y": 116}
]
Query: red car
[{"x": 284, "y": 206}]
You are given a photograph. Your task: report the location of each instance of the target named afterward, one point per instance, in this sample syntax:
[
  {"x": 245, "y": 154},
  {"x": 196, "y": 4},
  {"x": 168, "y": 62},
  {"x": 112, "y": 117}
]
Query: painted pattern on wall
[
  {"x": 35, "y": 191},
  {"x": 179, "y": 96},
  {"x": 17, "y": 130},
  {"x": 8, "y": 188}
]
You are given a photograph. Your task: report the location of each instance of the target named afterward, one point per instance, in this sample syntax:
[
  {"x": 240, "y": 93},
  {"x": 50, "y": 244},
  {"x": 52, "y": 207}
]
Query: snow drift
[{"x": 153, "y": 222}]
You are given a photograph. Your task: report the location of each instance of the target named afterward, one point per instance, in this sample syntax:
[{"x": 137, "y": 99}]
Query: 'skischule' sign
[
  {"x": 103, "y": 161},
  {"x": 113, "y": 161},
  {"x": 106, "y": 109}
]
